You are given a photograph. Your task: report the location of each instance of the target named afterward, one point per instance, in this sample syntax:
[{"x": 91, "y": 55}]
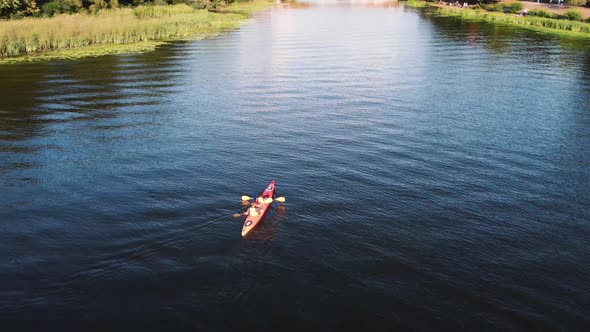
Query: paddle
[
  {"x": 278, "y": 199},
  {"x": 247, "y": 198}
]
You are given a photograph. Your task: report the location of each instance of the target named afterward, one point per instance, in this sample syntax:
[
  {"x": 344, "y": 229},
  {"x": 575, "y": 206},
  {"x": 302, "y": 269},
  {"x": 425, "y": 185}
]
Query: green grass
[
  {"x": 515, "y": 7},
  {"x": 416, "y": 4},
  {"x": 541, "y": 13},
  {"x": 573, "y": 15},
  {"x": 114, "y": 30},
  {"x": 551, "y": 25},
  {"x": 538, "y": 22}
]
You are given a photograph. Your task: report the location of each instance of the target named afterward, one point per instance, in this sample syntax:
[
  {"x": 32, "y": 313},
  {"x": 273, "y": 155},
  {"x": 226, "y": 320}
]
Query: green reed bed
[
  {"x": 143, "y": 25},
  {"x": 579, "y": 28},
  {"x": 416, "y": 4}
]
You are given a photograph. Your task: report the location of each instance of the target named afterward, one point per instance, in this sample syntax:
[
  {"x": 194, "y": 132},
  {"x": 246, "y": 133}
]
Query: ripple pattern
[{"x": 436, "y": 172}]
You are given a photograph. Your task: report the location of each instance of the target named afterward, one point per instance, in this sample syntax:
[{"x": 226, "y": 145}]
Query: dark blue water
[{"x": 437, "y": 176}]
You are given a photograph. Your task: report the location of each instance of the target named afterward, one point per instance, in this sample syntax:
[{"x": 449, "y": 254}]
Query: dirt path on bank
[
  {"x": 551, "y": 7},
  {"x": 554, "y": 8}
]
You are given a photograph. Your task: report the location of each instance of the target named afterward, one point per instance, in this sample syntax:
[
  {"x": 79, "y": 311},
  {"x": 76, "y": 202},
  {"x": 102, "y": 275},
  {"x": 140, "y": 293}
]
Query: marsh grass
[
  {"x": 118, "y": 26},
  {"x": 541, "y": 13},
  {"x": 527, "y": 21},
  {"x": 84, "y": 52},
  {"x": 573, "y": 15}
]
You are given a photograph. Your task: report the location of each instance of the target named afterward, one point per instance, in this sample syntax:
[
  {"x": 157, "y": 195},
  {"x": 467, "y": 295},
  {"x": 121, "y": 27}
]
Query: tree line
[{"x": 48, "y": 8}]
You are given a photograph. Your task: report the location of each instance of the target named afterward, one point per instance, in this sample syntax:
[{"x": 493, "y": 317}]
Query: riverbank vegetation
[
  {"x": 531, "y": 21},
  {"x": 416, "y": 3},
  {"x": 132, "y": 29},
  {"x": 47, "y": 8},
  {"x": 570, "y": 21}
]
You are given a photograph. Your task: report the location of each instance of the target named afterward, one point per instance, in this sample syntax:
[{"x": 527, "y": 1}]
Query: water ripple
[{"x": 436, "y": 175}]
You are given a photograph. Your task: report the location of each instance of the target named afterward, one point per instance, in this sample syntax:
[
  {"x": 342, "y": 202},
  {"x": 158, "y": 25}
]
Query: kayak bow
[{"x": 258, "y": 208}]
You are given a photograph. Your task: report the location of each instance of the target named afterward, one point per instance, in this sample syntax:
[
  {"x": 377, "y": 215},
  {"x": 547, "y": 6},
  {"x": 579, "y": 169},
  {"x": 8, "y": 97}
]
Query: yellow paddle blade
[
  {"x": 280, "y": 199},
  {"x": 246, "y": 198},
  {"x": 237, "y": 215}
]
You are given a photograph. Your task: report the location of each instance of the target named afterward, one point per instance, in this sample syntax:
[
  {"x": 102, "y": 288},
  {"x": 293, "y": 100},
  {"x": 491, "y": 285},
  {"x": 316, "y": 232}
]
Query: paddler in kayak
[
  {"x": 263, "y": 199},
  {"x": 255, "y": 208},
  {"x": 252, "y": 211}
]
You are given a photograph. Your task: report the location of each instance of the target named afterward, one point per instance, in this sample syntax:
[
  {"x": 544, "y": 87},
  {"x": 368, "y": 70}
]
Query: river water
[{"x": 437, "y": 177}]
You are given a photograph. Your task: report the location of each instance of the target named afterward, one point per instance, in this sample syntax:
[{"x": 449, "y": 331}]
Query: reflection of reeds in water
[{"x": 117, "y": 26}]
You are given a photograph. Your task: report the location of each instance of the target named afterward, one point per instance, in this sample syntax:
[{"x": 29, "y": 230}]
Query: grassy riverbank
[
  {"x": 552, "y": 25},
  {"x": 115, "y": 30}
]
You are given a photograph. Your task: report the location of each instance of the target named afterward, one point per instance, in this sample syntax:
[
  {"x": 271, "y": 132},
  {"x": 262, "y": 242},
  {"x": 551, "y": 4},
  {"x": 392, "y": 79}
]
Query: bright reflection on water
[{"x": 436, "y": 173}]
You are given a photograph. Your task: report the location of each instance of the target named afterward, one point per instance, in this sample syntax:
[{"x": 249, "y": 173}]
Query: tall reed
[{"x": 116, "y": 26}]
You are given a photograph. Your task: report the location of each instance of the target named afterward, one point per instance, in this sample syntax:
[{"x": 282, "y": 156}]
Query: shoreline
[
  {"x": 554, "y": 26},
  {"x": 48, "y": 41}
]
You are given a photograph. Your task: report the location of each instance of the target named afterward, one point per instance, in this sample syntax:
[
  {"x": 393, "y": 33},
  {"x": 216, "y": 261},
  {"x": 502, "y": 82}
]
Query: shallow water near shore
[{"x": 436, "y": 172}]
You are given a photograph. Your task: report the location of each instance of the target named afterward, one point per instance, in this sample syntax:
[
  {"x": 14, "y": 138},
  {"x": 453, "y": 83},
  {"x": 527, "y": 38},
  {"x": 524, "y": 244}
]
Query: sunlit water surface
[{"x": 437, "y": 177}]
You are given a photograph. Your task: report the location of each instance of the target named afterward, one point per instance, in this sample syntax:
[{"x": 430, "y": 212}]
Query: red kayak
[{"x": 259, "y": 208}]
